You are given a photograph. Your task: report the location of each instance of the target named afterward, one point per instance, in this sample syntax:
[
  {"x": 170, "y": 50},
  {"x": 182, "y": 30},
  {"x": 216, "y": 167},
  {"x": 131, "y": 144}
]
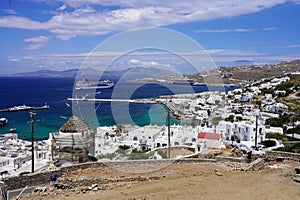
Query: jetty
[
  {"x": 146, "y": 101},
  {"x": 167, "y": 105}
]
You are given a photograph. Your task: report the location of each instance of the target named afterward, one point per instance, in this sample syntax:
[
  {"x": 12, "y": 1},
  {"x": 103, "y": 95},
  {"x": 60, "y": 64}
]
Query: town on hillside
[{"x": 258, "y": 117}]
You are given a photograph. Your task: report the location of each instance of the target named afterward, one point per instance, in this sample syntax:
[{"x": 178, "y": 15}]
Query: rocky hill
[
  {"x": 255, "y": 72},
  {"x": 234, "y": 75}
]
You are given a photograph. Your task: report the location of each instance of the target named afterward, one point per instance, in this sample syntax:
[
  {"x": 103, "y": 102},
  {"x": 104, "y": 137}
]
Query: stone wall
[
  {"x": 230, "y": 159},
  {"x": 44, "y": 177},
  {"x": 280, "y": 155}
]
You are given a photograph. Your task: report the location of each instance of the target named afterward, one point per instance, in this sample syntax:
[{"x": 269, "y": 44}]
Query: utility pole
[
  {"x": 293, "y": 134},
  {"x": 32, "y": 114},
  {"x": 256, "y": 127},
  {"x": 169, "y": 140}
]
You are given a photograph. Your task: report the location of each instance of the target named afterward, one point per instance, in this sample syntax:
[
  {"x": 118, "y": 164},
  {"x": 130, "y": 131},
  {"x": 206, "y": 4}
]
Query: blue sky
[{"x": 59, "y": 34}]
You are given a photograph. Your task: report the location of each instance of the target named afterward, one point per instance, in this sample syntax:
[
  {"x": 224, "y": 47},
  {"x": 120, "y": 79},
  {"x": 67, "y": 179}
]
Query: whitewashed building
[{"x": 244, "y": 131}]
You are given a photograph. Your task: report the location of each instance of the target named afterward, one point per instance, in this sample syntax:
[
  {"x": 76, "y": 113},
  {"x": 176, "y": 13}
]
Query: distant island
[
  {"x": 89, "y": 73},
  {"x": 230, "y": 75}
]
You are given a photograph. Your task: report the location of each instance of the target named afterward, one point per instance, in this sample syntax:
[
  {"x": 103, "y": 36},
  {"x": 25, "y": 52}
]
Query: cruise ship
[{"x": 89, "y": 85}]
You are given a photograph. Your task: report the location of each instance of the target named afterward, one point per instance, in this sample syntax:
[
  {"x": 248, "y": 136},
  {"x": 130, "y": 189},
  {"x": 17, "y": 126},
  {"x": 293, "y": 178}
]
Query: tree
[
  {"x": 279, "y": 122},
  {"x": 230, "y": 118},
  {"x": 215, "y": 122}
]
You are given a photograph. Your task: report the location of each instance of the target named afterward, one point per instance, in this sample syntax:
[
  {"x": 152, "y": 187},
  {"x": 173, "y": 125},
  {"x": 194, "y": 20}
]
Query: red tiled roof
[{"x": 209, "y": 136}]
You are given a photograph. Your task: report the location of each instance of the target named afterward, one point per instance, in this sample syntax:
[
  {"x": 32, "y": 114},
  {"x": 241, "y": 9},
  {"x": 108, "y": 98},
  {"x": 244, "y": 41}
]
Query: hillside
[
  {"x": 255, "y": 72},
  {"x": 235, "y": 75}
]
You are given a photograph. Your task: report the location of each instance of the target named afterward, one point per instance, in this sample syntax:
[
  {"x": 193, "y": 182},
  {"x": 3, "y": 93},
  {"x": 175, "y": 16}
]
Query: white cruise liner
[{"x": 89, "y": 85}]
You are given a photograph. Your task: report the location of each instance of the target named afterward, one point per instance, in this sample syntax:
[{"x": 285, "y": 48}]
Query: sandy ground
[{"x": 191, "y": 181}]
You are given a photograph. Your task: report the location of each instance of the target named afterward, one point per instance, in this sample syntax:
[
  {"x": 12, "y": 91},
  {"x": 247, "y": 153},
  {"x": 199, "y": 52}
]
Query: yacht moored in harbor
[{"x": 3, "y": 121}]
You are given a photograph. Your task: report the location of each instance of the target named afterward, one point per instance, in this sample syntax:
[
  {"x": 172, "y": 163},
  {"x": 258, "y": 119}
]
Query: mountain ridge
[{"x": 233, "y": 74}]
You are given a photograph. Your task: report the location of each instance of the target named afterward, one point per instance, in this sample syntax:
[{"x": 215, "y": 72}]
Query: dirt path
[{"x": 191, "y": 181}]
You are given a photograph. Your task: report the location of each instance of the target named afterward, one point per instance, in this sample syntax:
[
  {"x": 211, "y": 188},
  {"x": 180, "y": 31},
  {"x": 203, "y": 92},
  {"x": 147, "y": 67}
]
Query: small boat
[
  {"x": 13, "y": 130},
  {"x": 19, "y": 108},
  {"x": 3, "y": 121}
]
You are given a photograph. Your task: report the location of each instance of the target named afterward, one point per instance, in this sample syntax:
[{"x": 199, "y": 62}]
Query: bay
[{"x": 16, "y": 91}]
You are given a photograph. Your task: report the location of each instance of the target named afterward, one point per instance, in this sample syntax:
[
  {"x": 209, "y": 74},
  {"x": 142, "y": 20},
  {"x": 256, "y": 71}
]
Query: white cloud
[
  {"x": 231, "y": 53},
  {"x": 291, "y": 46},
  {"x": 157, "y": 60},
  {"x": 38, "y": 39},
  {"x": 242, "y": 30},
  {"x": 223, "y": 30},
  {"x": 213, "y": 31},
  {"x": 14, "y": 59},
  {"x": 21, "y": 23},
  {"x": 223, "y": 56},
  {"x": 85, "y": 20},
  {"x": 10, "y": 11},
  {"x": 36, "y": 42},
  {"x": 63, "y": 7},
  {"x": 270, "y": 29},
  {"x": 136, "y": 62},
  {"x": 266, "y": 46}
]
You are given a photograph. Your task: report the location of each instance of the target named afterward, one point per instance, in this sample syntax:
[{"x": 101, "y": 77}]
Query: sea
[{"x": 35, "y": 92}]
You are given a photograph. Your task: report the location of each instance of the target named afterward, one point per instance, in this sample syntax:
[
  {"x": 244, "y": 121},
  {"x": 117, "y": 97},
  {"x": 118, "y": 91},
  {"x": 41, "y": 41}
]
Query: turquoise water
[{"x": 55, "y": 91}]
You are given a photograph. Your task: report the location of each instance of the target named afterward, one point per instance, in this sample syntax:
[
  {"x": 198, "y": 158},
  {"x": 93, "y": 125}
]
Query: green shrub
[
  {"x": 279, "y": 122},
  {"x": 124, "y": 147},
  {"x": 275, "y": 136},
  {"x": 268, "y": 143},
  {"x": 295, "y": 148},
  {"x": 230, "y": 118},
  {"x": 139, "y": 156}
]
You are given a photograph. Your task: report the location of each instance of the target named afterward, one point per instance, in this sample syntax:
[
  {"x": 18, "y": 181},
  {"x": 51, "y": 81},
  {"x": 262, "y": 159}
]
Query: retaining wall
[
  {"x": 280, "y": 155},
  {"x": 44, "y": 177}
]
